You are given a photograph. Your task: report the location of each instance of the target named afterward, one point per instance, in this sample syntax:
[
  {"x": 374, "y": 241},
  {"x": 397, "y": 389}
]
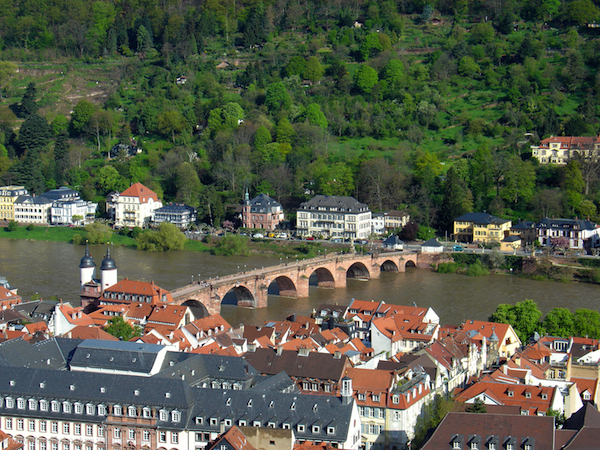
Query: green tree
[
  {"x": 61, "y": 159},
  {"x": 365, "y": 78},
  {"x": 284, "y": 132},
  {"x": 587, "y": 323},
  {"x": 370, "y": 46},
  {"x": 313, "y": 69},
  {"x": 477, "y": 407},
  {"x": 98, "y": 233},
  {"x": 232, "y": 114},
  {"x": 582, "y": 12},
  {"x": 427, "y": 169},
  {"x": 315, "y": 116},
  {"x": 262, "y": 137},
  {"x": 457, "y": 201},
  {"x": 119, "y": 328},
  {"x": 573, "y": 183},
  {"x": 523, "y": 316},
  {"x": 559, "y": 322},
  {"x": 394, "y": 74},
  {"x": 35, "y": 133},
  {"x": 7, "y": 70},
  {"x": 171, "y": 122},
  {"x": 13, "y": 225},
  {"x": 467, "y": 67},
  {"x": 277, "y": 98},
  {"x": 167, "y": 238},
  {"x": 109, "y": 179},
  {"x": 28, "y": 102},
  {"x": 189, "y": 185},
  {"x": 519, "y": 180},
  {"x": 232, "y": 245},
  {"x": 82, "y": 113},
  {"x": 295, "y": 66}
]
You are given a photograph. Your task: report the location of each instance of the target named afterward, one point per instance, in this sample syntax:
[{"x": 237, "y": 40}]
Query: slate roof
[
  {"x": 33, "y": 200},
  {"x": 480, "y": 219},
  {"x": 175, "y": 209},
  {"x": 433, "y": 242},
  {"x": 567, "y": 224},
  {"x": 314, "y": 365},
  {"x": 45, "y": 354},
  {"x": 343, "y": 204},
  {"x": 62, "y": 192},
  {"x": 586, "y": 416},
  {"x": 116, "y": 355},
  {"x": 511, "y": 238},
  {"x": 264, "y": 200},
  {"x": 393, "y": 240},
  {"x": 278, "y": 408}
]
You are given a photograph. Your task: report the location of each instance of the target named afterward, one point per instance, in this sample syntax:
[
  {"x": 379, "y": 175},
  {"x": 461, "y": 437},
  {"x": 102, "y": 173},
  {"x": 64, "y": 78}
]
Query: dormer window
[
  {"x": 301, "y": 428},
  {"x": 330, "y": 430},
  {"x": 101, "y": 410},
  {"x": 89, "y": 409},
  {"x": 395, "y": 399},
  {"x": 256, "y": 423},
  {"x": 163, "y": 416},
  {"x": 131, "y": 412},
  {"x": 362, "y": 396},
  {"x": 456, "y": 445},
  {"x": 20, "y": 403},
  {"x": 316, "y": 429},
  {"x": 545, "y": 396},
  {"x": 32, "y": 404},
  {"x": 375, "y": 398},
  {"x": 78, "y": 408},
  {"x": 43, "y": 405},
  {"x": 175, "y": 416},
  {"x": 146, "y": 413},
  {"x": 511, "y": 393},
  {"x": 117, "y": 410},
  {"x": 527, "y": 394}
]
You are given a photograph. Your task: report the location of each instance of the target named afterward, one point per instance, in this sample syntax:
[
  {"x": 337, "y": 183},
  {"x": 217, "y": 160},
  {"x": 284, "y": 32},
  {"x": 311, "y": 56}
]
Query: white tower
[
  {"x": 87, "y": 267},
  {"x": 108, "y": 271},
  {"x": 347, "y": 390}
]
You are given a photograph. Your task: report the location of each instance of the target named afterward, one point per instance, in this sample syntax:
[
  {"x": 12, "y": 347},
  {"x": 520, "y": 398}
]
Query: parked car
[
  {"x": 258, "y": 236},
  {"x": 457, "y": 248},
  {"x": 336, "y": 240},
  {"x": 282, "y": 236},
  {"x": 310, "y": 238}
]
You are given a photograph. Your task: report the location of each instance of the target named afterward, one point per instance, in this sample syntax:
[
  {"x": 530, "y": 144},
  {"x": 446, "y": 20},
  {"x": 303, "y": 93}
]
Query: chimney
[
  {"x": 279, "y": 350},
  {"x": 337, "y": 354}
]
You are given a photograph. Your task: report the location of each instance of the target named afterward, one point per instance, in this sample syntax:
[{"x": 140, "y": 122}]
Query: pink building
[{"x": 261, "y": 212}]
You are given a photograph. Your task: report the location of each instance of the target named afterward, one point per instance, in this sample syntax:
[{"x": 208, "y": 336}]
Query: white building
[
  {"x": 135, "y": 206},
  {"x": 377, "y": 223},
  {"x": 31, "y": 209},
  {"x": 334, "y": 216},
  {"x": 581, "y": 234}
]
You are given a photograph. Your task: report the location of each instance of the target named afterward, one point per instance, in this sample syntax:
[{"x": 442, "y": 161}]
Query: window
[
  {"x": 31, "y": 425},
  {"x": 175, "y": 416},
  {"x": 100, "y": 431},
  {"x": 117, "y": 433},
  {"x": 89, "y": 409},
  {"x": 146, "y": 413},
  {"x": 10, "y": 403},
  {"x": 491, "y": 446},
  {"x": 66, "y": 428},
  {"x": 375, "y": 398},
  {"x": 31, "y": 445},
  {"x": 117, "y": 410},
  {"x": 456, "y": 444},
  {"x": 89, "y": 430},
  {"x": 527, "y": 394},
  {"x": 131, "y": 412},
  {"x": 174, "y": 437},
  {"x": 316, "y": 429},
  {"x": 20, "y": 403},
  {"x": 474, "y": 446},
  {"x": 509, "y": 447},
  {"x": 8, "y": 424},
  {"x": 43, "y": 426},
  {"x": 162, "y": 436},
  {"x": 55, "y": 406},
  {"x": 301, "y": 428},
  {"x": 66, "y": 446},
  {"x": 395, "y": 399},
  {"x": 101, "y": 410},
  {"x": 54, "y": 427},
  {"x": 66, "y": 407},
  {"x": 163, "y": 416},
  {"x": 327, "y": 388},
  {"x": 77, "y": 429},
  {"x": 32, "y": 404},
  {"x": 242, "y": 423},
  {"x": 131, "y": 434},
  {"x": 43, "y": 405},
  {"x": 511, "y": 393},
  {"x": 330, "y": 430},
  {"x": 20, "y": 424},
  {"x": 362, "y": 396},
  {"x": 146, "y": 435},
  {"x": 545, "y": 396}
]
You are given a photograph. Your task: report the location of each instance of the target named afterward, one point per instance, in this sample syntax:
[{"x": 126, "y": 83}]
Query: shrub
[
  {"x": 12, "y": 226},
  {"x": 30, "y": 227},
  {"x": 77, "y": 239},
  {"x": 477, "y": 270},
  {"x": 447, "y": 267},
  {"x": 232, "y": 246}
]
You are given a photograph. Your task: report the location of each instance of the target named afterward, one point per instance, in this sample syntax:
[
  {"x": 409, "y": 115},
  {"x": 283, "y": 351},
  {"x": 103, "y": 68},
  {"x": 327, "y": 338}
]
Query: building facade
[
  {"x": 8, "y": 197},
  {"x": 559, "y": 149},
  {"x": 580, "y": 234},
  {"x": 31, "y": 209},
  {"x": 179, "y": 215},
  {"x": 334, "y": 216},
  {"x": 480, "y": 227},
  {"x": 261, "y": 212},
  {"x": 135, "y": 206}
]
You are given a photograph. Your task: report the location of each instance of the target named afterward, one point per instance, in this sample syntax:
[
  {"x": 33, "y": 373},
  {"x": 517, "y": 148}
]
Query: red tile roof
[{"x": 140, "y": 191}]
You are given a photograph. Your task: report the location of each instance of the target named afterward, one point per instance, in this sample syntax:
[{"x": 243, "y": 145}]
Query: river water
[{"x": 50, "y": 268}]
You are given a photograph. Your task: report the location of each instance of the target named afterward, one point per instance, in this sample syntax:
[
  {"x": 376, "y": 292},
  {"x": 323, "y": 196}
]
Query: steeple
[
  {"x": 346, "y": 390},
  {"x": 108, "y": 271},
  {"x": 87, "y": 267},
  {"x": 246, "y": 197}
]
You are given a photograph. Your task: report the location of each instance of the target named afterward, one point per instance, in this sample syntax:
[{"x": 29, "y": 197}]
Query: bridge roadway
[{"x": 251, "y": 288}]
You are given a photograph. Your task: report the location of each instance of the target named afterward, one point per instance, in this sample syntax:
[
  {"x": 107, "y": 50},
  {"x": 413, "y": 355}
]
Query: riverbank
[{"x": 272, "y": 247}]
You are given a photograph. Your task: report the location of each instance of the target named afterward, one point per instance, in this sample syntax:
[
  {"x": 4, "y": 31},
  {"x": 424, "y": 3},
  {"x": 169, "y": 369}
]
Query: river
[{"x": 50, "y": 268}]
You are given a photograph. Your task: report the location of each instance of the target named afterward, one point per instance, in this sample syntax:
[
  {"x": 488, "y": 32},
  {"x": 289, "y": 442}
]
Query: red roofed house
[
  {"x": 66, "y": 318},
  {"x": 134, "y": 206},
  {"x": 168, "y": 318},
  {"x": 499, "y": 334},
  {"x": 8, "y": 298},
  {"x": 559, "y": 149},
  {"x": 130, "y": 291},
  {"x": 402, "y": 333},
  {"x": 533, "y": 400}
]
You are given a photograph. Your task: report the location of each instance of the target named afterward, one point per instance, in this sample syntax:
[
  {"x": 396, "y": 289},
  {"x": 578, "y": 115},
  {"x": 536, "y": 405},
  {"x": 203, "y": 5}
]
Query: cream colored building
[
  {"x": 334, "y": 216},
  {"x": 134, "y": 206},
  {"x": 559, "y": 149},
  {"x": 8, "y": 197}
]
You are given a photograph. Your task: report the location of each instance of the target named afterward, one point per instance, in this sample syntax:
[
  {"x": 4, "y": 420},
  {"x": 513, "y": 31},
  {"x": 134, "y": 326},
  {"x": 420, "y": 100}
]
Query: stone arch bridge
[{"x": 251, "y": 289}]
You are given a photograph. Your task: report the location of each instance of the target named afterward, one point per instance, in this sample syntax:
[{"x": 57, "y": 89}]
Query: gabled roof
[
  {"x": 433, "y": 242},
  {"x": 464, "y": 427},
  {"x": 586, "y": 416},
  {"x": 342, "y": 204},
  {"x": 235, "y": 438},
  {"x": 140, "y": 191},
  {"x": 264, "y": 200}
]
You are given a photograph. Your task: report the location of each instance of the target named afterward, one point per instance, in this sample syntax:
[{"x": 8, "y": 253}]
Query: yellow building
[
  {"x": 480, "y": 227},
  {"x": 8, "y": 196}
]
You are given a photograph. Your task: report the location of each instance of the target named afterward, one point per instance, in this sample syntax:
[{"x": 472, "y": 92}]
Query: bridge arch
[
  {"x": 389, "y": 266},
  {"x": 321, "y": 277},
  {"x": 240, "y": 296},
  {"x": 358, "y": 270},
  {"x": 410, "y": 264},
  {"x": 283, "y": 286}
]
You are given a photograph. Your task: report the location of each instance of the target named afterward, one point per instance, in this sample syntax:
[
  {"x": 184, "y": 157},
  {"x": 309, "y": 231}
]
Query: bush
[
  {"x": 447, "y": 268},
  {"x": 589, "y": 262},
  {"x": 30, "y": 227},
  {"x": 168, "y": 237},
  {"x": 12, "y": 226},
  {"x": 232, "y": 246},
  {"x": 78, "y": 239},
  {"x": 465, "y": 258},
  {"x": 477, "y": 270},
  {"x": 136, "y": 232}
]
